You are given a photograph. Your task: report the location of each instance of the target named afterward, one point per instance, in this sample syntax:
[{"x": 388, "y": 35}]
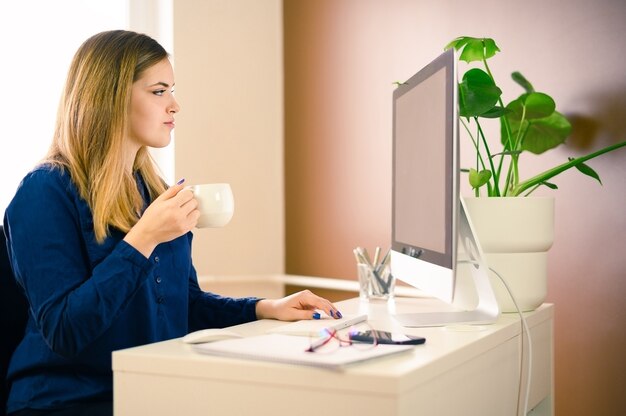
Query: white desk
[{"x": 457, "y": 372}]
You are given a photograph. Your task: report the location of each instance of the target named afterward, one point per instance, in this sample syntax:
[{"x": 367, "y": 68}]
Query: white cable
[{"x": 526, "y": 330}]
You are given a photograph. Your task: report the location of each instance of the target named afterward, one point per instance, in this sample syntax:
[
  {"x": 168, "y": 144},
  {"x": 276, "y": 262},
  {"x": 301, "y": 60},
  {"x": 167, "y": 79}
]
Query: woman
[{"x": 101, "y": 246}]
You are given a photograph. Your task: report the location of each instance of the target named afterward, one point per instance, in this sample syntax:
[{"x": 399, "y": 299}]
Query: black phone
[{"x": 385, "y": 337}]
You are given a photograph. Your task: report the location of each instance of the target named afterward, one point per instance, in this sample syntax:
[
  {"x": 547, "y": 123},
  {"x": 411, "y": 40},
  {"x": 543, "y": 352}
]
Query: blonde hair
[{"x": 91, "y": 124}]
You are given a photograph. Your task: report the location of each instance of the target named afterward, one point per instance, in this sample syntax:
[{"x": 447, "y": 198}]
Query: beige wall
[
  {"x": 341, "y": 57},
  {"x": 340, "y": 60},
  {"x": 228, "y": 63}
]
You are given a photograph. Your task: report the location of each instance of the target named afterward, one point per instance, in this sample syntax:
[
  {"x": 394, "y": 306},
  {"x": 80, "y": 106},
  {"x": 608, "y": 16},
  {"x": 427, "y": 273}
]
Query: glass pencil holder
[{"x": 375, "y": 283}]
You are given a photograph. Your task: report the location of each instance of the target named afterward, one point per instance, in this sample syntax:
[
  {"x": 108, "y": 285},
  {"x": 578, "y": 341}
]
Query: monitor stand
[{"x": 468, "y": 253}]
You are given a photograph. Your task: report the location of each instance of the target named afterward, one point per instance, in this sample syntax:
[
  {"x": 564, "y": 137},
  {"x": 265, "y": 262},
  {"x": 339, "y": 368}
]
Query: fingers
[
  {"x": 310, "y": 304},
  {"x": 176, "y": 206},
  {"x": 298, "y": 306},
  {"x": 181, "y": 199},
  {"x": 172, "y": 191},
  {"x": 302, "y": 315},
  {"x": 186, "y": 200}
]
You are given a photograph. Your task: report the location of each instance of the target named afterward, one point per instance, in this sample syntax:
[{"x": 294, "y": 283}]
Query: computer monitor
[{"x": 432, "y": 236}]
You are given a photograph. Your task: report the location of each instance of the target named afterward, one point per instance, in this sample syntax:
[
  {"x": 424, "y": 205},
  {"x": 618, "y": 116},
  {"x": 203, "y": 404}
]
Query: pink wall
[{"x": 341, "y": 58}]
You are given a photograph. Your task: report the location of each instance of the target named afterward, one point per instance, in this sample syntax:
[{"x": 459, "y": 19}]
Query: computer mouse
[{"x": 209, "y": 335}]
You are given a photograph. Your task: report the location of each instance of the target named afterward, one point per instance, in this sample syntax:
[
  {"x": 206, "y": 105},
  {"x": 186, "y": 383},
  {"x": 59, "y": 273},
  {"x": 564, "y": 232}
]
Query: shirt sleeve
[
  {"x": 209, "y": 310},
  {"x": 71, "y": 301}
]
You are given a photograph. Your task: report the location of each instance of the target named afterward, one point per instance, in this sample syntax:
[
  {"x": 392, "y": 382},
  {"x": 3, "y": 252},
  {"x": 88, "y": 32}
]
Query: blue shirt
[{"x": 88, "y": 299}]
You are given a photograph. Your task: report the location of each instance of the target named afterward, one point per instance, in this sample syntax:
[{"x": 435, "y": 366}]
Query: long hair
[{"x": 92, "y": 122}]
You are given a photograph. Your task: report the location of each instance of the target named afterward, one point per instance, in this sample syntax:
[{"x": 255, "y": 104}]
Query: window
[{"x": 38, "y": 39}]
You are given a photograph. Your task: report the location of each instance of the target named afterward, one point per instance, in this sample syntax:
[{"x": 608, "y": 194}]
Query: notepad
[
  {"x": 313, "y": 327},
  {"x": 290, "y": 349}
]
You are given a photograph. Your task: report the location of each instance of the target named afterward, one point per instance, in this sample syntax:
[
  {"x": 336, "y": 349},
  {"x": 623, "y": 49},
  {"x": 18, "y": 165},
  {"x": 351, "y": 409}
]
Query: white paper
[{"x": 293, "y": 350}]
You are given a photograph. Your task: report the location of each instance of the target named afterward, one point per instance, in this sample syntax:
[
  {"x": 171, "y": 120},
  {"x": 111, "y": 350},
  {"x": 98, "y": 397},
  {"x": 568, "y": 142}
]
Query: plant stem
[
  {"x": 507, "y": 127},
  {"x": 512, "y": 178},
  {"x": 496, "y": 187},
  {"x": 550, "y": 173},
  {"x": 479, "y": 158},
  {"x": 479, "y": 161},
  {"x": 476, "y": 146},
  {"x": 509, "y": 178},
  {"x": 507, "y": 144}
]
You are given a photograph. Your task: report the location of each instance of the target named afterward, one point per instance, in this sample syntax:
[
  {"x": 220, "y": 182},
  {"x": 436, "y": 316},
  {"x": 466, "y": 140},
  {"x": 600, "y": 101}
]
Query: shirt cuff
[{"x": 133, "y": 255}]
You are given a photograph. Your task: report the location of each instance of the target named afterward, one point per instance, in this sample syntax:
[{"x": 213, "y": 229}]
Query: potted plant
[{"x": 515, "y": 233}]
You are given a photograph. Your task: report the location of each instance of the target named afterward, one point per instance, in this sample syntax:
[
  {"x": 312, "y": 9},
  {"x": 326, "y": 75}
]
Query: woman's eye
[{"x": 159, "y": 92}]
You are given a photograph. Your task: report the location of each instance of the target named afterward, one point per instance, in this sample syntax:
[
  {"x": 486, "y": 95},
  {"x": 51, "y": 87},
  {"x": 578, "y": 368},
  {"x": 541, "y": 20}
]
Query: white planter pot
[{"x": 515, "y": 235}]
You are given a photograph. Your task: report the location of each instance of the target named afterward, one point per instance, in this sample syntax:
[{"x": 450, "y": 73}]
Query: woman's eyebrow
[{"x": 161, "y": 83}]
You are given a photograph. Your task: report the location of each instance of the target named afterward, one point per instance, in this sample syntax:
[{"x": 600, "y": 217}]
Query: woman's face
[{"x": 152, "y": 107}]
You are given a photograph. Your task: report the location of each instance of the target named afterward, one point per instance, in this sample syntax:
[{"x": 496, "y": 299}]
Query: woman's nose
[{"x": 174, "y": 107}]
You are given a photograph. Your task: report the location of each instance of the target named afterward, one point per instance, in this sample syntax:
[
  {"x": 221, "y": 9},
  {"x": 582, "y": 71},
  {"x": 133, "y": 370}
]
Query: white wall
[{"x": 229, "y": 83}]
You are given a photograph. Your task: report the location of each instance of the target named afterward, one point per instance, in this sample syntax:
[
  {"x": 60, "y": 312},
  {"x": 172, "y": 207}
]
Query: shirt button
[
  {"x": 158, "y": 279},
  {"x": 160, "y": 300},
  {"x": 156, "y": 259}
]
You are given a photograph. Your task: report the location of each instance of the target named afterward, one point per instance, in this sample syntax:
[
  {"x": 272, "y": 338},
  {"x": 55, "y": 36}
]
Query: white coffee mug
[{"x": 215, "y": 203}]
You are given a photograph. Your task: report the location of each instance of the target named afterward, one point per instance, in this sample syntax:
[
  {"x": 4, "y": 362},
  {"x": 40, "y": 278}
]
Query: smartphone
[{"x": 385, "y": 337}]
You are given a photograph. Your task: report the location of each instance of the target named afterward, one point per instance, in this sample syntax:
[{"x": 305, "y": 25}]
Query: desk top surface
[{"x": 445, "y": 348}]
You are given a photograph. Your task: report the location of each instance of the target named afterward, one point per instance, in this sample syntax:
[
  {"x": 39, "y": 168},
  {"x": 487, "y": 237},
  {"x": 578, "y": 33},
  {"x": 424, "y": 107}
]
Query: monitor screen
[{"x": 425, "y": 166}]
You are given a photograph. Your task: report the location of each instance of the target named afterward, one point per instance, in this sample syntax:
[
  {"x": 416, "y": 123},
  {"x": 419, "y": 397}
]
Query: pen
[
  {"x": 384, "y": 261},
  {"x": 360, "y": 255},
  {"x": 364, "y": 258},
  {"x": 376, "y": 255},
  {"x": 365, "y": 255}
]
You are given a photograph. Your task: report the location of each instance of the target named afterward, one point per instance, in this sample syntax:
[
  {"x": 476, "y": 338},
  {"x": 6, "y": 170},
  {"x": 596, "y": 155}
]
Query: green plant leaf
[
  {"x": 539, "y": 105},
  {"x": 546, "y": 133},
  {"x": 549, "y": 185},
  {"x": 516, "y": 108},
  {"x": 458, "y": 43},
  {"x": 535, "y": 104},
  {"x": 478, "y": 179},
  {"x": 521, "y": 80},
  {"x": 539, "y": 134},
  {"x": 495, "y": 112},
  {"x": 478, "y": 93},
  {"x": 583, "y": 168},
  {"x": 474, "y": 49}
]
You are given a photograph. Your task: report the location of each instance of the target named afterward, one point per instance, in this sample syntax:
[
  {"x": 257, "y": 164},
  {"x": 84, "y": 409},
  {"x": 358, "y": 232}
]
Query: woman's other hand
[
  {"x": 301, "y": 305},
  {"x": 171, "y": 215}
]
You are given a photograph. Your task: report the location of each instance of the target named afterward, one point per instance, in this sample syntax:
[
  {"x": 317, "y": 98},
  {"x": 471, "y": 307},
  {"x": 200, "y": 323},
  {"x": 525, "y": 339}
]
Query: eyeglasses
[{"x": 330, "y": 340}]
